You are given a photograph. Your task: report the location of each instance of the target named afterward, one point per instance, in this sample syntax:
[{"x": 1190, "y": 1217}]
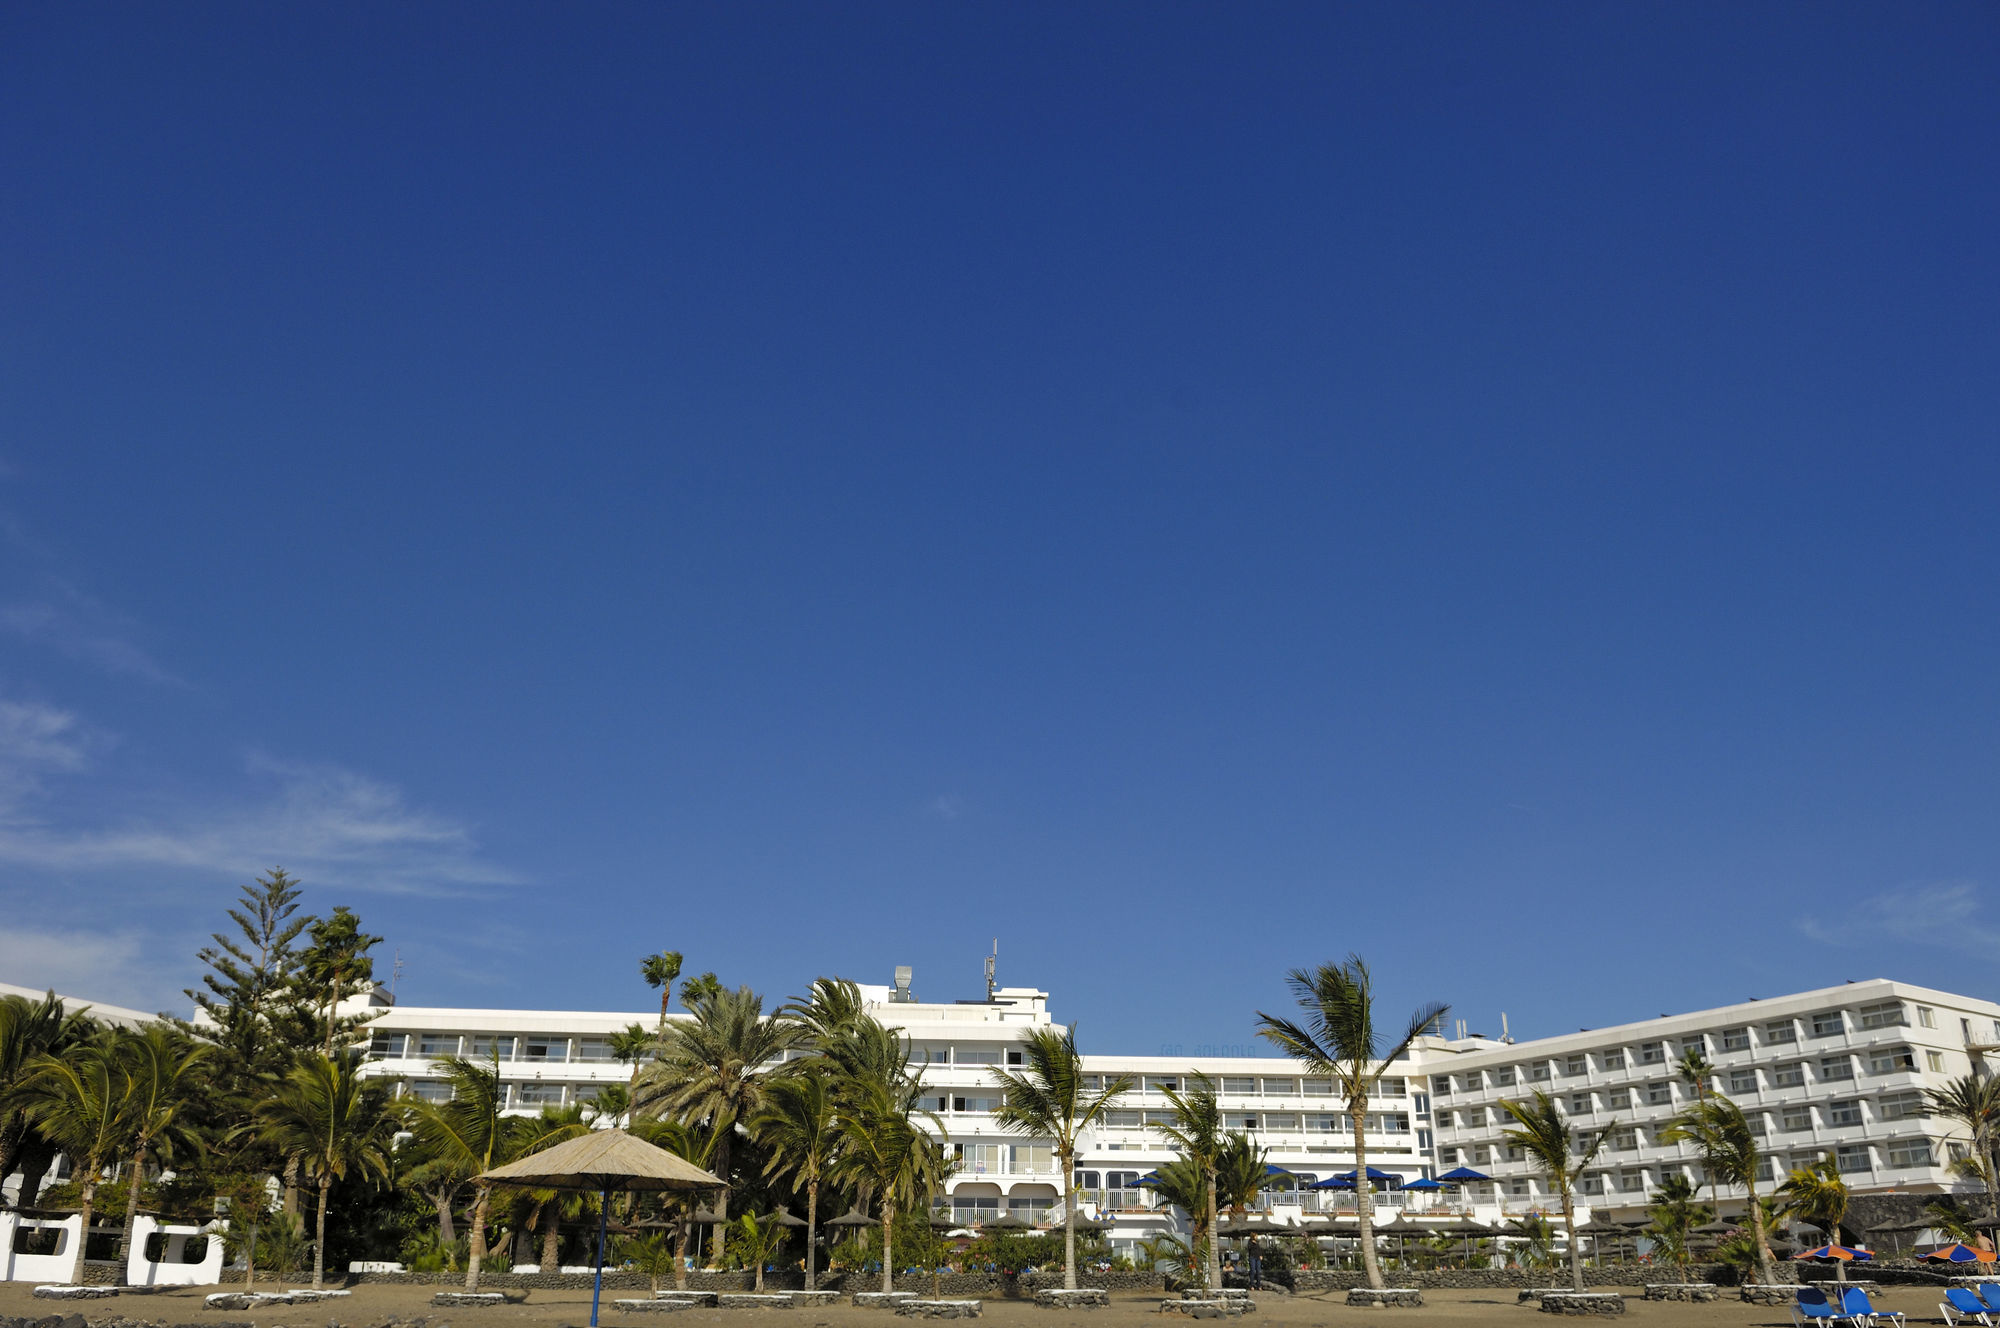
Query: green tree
[
  {"x": 1195, "y": 1132},
  {"x": 698, "y": 989},
  {"x": 1817, "y": 1193},
  {"x": 1974, "y": 1103},
  {"x": 800, "y": 1125},
  {"x": 1675, "y": 1215},
  {"x": 694, "y": 1145},
  {"x": 547, "y": 1208},
  {"x": 710, "y": 1071},
  {"x": 1049, "y": 1098},
  {"x": 464, "y": 1137},
  {"x": 77, "y": 1102},
  {"x": 1563, "y": 1157},
  {"x": 886, "y": 1152},
  {"x": 1721, "y": 1133},
  {"x": 159, "y": 1069},
  {"x": 1338, "y": 1038},
  {"x": 335, "y": 1124},
  {"x": 757, "y": 1242},
  {"x": 28, "y": 1030},
  {"x": 1698, "y": 1073},
  {"x": 660, "y": 970},
  {"x": 333, "y": 967}
]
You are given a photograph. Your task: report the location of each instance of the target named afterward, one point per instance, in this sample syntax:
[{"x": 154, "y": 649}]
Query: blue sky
[{"x": 1189, "y": 491}]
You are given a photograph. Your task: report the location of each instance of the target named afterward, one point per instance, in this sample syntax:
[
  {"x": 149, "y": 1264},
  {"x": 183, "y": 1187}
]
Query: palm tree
[
  {"x": 553, "y": 1126},
  {"x": 1816, "y": 1193},
  {"x": 1547, "y": 1138},
  {"x": 1728, "y": 1146},
  {"x": 77, "y": 1102},
  {"x": 1048, "y": 1099},
  {"x": 27, "y": 1029},
  {"x": 465, "y": 1137},
  {"x": 323, "y": 1114},
  {"x": 1338, "y": 1039},
  {"x": 660, "y": 970},
  {"x": 883, "y": 1149},
  {"x": 757, "y": 1240},
  {"x": 1698, "y": 1073},
  {"x": 696, "y": 1146},
  {"x": 1675, "y": 1215},
  {"x": 159, "y": 1069},
  {"x": 1973, "y": 1102},
  {"x": 632, "y": 1044},
  {"x": 801, "y": 1127},
  {"x": 1195, "y": 1131},
  {"x": 712, "y": 1070}
]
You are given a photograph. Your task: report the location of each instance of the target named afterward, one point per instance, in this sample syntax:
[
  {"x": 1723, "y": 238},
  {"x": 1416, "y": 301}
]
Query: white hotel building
[{"x": 1839, "y": 1070}]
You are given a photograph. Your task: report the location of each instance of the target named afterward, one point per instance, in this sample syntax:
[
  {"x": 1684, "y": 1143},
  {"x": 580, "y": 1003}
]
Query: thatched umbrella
[
  {"x": 855, "y": 1218},
  {"x": 603, "y": 1160}
]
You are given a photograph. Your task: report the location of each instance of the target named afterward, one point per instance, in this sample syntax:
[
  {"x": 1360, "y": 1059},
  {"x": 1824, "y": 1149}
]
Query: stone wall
[
  {"x": 1000, "y": 1285},
  {"x": 1497, "y": 1279}
]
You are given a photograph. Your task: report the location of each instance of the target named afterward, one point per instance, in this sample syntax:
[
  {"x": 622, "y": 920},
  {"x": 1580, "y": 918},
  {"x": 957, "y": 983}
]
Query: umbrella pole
[{"x": 597, "y": 1288}]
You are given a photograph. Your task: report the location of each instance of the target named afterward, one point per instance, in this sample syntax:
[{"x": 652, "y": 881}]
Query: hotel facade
[{"x": 1840, "y": 1071}]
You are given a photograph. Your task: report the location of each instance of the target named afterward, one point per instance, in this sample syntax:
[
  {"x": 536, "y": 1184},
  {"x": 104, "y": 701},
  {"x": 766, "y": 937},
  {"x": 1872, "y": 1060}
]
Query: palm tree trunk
[
  {"x": 812, "y": 1231},
  {"x": 1214, "y": 1245},
  {"x": 83, "y": 1237},
  {"x": 757, "y": 1283},
  {"x": 681, "y": 1254},
  {"x": 478, "y": 1251},
  {"x": 1575, "y": 1259},
  {"x": 1068, "y": 1163},
  {"x": 441, "y": 1200},
  {"x": 551, "y": 1237},
  {"x": 319, "y": 1237},
  {"x": 1981, "y": 1140},
  {"x": 721, "y": 1197},
  {"x": 292, "y": 1184},
  {"x": 888, "y": 1244},
  {"x": 250, "y": 1259},
  {"x": 131, "y": 1207},
  {"x": 1364, "y": 1195},
  {"x": 1765, "y": 1270}
]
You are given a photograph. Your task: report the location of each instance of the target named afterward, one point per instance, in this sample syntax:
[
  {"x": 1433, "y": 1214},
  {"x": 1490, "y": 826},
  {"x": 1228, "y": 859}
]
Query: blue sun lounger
[
  {"x": 1959, "y": 1303},
  {"x": 1854, "y": 1303}
]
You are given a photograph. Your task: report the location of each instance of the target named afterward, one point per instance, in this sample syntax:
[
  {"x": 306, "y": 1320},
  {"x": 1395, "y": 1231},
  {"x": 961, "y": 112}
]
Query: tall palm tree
[
  {"x": 1729, "y": 1152},
  {"x": 827, "y": 1012},
  {"x": 712, "y": 1071},
  {"x": 77, "y": 1102},
  {"x": 1048, "y": 1099},
  {"x": 1817, "y": 1193},
  {"x": 1973, "y": 1102},
  {"x": 801, "y": 1127},
  {"x": 1195, "y": 1131},
  {"x": 886, "y": 1152},
  {"x": 660, "y": 970},
  {"x": 553, "y": 1126},
  {"x": 335, "y": 1124},
  {"x": 1698, "y": 1073},
  {"x": 1675, "y": 1215},
  {"x": 1546, "y": 1137},
  {"x": 465, "y": 1137},
  {"x": 159, "y": 1068},
  {"x": 694, "y": 1145},
  {"x": 27, "y": 1029},
  {"x": 1338, "y": 1039}
]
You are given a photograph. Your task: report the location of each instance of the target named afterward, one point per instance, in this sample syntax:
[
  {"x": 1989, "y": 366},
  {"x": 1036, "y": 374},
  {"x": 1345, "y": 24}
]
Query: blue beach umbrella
[
  {"x": 1423, "y": 1183},
  {"x": 1462, "y": 1175}
]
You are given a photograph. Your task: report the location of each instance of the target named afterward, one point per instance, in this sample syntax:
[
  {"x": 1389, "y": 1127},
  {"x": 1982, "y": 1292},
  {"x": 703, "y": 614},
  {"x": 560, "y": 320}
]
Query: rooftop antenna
[
  {"x": 395, "y": 972},
  {"x": 992, "y": 964},
  {"x": 1505, "y": 1036}
]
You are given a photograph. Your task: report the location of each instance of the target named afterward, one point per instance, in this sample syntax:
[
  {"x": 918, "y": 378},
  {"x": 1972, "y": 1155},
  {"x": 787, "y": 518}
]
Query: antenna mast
[{"x": 992, "y": 963}]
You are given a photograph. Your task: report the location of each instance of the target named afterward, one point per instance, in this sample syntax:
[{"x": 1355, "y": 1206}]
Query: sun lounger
[
  {"x": 1855, "y": 1305},
  {"x": 1990, "y": 1293},
  {"x": 1812, "y": 1307},
  {"x": 1960, "y": 1303}
]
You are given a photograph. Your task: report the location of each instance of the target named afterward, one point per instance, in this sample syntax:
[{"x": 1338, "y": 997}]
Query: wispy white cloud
[
  {"x": 55, "y": 613},
  {"x": 1946, "y": 914},
  {"x": 946, "y": 807},
  {"x": 117, "y": 968},
  {"x": 331, "y": 825}
]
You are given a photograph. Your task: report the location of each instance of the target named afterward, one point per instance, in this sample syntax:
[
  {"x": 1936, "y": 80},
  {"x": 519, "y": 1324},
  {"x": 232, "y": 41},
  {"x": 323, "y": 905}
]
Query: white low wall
[
  {"x": 173, "y": 1269},
  {"x": 55, "y": 1267}
]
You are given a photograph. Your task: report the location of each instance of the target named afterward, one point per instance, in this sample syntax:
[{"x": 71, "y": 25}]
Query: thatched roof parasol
[{"x": 604, "y": 1160}]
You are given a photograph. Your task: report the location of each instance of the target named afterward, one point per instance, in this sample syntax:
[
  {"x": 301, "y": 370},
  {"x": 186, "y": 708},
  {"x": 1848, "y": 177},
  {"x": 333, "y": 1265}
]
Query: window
[
  {"x": 1755, "y": 1120},
  {"x": 1472, "y": 1081},
  {"x": 1516, "y": 1153},
  {"x": 1613, "y": 1059},
  {"x": 1440, "y": 1085},
  {"x": 1242, "y": 1086},
  {"x": 1086, "y": 1180},
  {"x": 1625, "y": 1140},
  {"x": 594, "y": 1049},
  {"x": 1590, "y": 1185},
  {"x": 1854, "y": 1158},
  {"x": 1652, "y": 1053},
  {"x": 1631, "y": 1182},
  {"x": 1792, "y": 1075},
  {"x": 1884, "y": 1014},
  {"x": 978, "y": 1158},
  {"x": 975, "y": 1056},
  {"x": 1742, "y": 1081},
  {"x": 1766, "y": 1170},
  {"x": 1539, "y": 1070},
  {"x": 1017, "y": 1058},
  {"x": 1448, "y": 1156},
  {"x": 1031, "y": 1159},
  {"x": 981, "y": 1102},
  {"x": 387, "y": 1044},
  {"x": 1906, "y": 1105},
  {"x": 538, "y": 1095},
  {"x": 544, "y": 1049},
  {"x": 1795, "y": 1119},
  {"x": 1327, "y": 1123},
  {"x": 1281, "y": 1088},
  {"x": 1390, "y": 1086},
  {"x": 1736, "y": 1039},
  {"x": 1843, "y": 1113},
  {"x": 1238, "y": 1120},
  {"x": 940, "y": 1055},
  {"x": 1156, "y": 1082},
  {"x": 1891, "y": 1060},
  {"x": 431, "y": 1090},
  {"x": 1659, "y": 1094},
  {"x": 1091, "y": 1083},
  {"x": 1833, "y": 1068},
  {"x": 1577, "y": 1064},
  {"x": 1122, "y": 1120},
  {"x": 1621, "y": 1099},
  {"x": 585, "y": 1092},
  {"x": 1280, "y": 1120},
  {"x": 1828, "y": 1023},
  {"x": 1780, "y": 1031},
  {"x": 1579, "y": 1104},
  {"x": 1159, "y": 1118},
  {"x": 1444, "y": 1120},
  {"x": 1389, "y": 1122},
  {"x": 1935, "y": 1060},
  {"x": 1504, "y": 1076},
  {"x": 480, "y": 1046},
  {"x": 1927, "y": 1016},
  {"x": 1482, "y": 1156},
  {"x": 1695, "y": 1042},
  {"x": 1517, "y": 1188},
  {"x": 437, "y": 1044},
  {"x": 1475, "y": 1115},
  {"x": 1910, "y": 1153},
  {"x": 1324, "y": 1087}
]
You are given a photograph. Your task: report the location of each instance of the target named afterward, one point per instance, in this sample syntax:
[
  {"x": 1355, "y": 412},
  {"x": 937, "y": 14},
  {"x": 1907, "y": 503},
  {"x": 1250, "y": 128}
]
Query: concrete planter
[
  {"x": 1588, "y": 1302},
  {"x": 939, "y": 1309},
  {"x": 1388, "y": 1298},
  {"x": 1083, "y": 1298}
]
